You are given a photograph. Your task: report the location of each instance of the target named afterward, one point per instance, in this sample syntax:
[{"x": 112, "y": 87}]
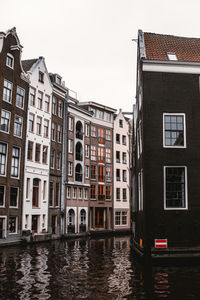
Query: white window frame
[
  {"x": 8, "y": 89},
  {"x": 172, "y": 56},
  {"x": 6, "y": 111},
  {"x": 70, "y": 124},
  {"x": 87, "y": 171},
  {"x": 16, "y": 229},
  {"x": 70, "y": 146},
  {"x": 21, "y": 126},
  {"x": 17, "y": 197},
  {"x": 87, "y": 130},
  {"x": 6, "y": 157},
  {"x": 80, "y": 193},
  {"x": 184, "y": 129},
  {"x": 85, "y": 193},
  {"x": 12, "y": 59},
  {"x": 87, "y": 150},
  {"x": 19, "y": 163},
  {"x": 68, "y": 192},
  {"x": 21, "y": 107},
  {"x": 70, "y": 165},
  {"x": 186, "y": 189},
  {"x": 74, "y": 192}
]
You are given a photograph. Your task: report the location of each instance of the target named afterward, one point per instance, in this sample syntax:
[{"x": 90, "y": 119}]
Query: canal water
[{"x": 95, "y": 269}]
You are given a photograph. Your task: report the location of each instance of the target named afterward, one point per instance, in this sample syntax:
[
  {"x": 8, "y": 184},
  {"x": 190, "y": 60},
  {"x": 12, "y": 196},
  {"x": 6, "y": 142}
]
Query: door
[
  {"x": 99, "y": 218},
  {"x": 1, "y": 228},
  {"x": 53, "y": 220},
  {"x": 35, "y": 224}
]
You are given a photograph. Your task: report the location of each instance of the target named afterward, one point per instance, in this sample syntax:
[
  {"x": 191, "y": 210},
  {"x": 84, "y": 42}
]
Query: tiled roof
[
  {"x": 27, "y": 64},
  {"x": 157, "y": 46}
]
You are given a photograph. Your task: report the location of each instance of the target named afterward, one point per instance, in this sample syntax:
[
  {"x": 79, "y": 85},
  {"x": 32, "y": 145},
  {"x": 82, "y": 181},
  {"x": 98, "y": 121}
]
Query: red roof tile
[{"x": 157, "y": 46}]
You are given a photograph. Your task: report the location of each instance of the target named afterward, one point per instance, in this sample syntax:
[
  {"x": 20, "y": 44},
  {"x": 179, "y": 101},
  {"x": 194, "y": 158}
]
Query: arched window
[
  {"x": 79, "y": 151},
  {"x": 36, "y": 192},
  {"x": 71, "y": 217},
  {"x": 83, "y": 216},
  {"x": 78, "y": 172},
  {"x": 79, "y": 130}
]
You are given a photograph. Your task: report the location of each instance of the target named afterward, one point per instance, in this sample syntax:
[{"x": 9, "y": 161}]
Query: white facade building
[
  {"x": 37, "y": 154},
  {"x": 121, "y": 165}
]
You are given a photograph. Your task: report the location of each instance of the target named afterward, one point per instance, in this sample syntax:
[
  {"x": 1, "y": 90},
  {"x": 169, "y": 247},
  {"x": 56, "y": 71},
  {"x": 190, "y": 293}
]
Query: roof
[
  {"x": 158, "y": 45},
  {"x": 27, "y": 64}
]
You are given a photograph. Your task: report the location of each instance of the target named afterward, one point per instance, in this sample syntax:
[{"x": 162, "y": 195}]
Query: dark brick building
[
  {"x": 14, "y": 89},
  {"x": 166, "y": 216}
]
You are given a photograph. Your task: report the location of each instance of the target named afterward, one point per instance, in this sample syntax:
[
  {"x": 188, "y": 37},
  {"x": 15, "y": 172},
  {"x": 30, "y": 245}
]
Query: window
[
  {"x": 174, "y": 130},
  {"x": 59, "y": 133},
  {"x": 80, "y": 193},
  {"x": 94, "y": 111},
  {"x": 58, "y": 80},
  {"x": 87, "y": 130},
  {"x": 108, "y": 135},
  {"x": 31, "y": 122},
  {"x": 2, "y": 195},
  {"x": 108, "y": 192},
  {"x": 175, "y": 187},
  {"x": 70, "y": 146},
  {"x": 101, "y": 196},
  {"x": 87, "y": 171},
  {"x": 39, "y": 125},
  {"x": 41, "y": 77},
  {"x": 118, "y": 174},
  {"x": 92, "y": 192},
  {"x": 58, "y": 163},
  {"x": 74, "y": 193},
  {"x": 3, "y": 153},
  {"x": 60, "y": 109},
  {"x": 44, "y": 189},
  {"x": 12, "y": 225},
  {"x": 70, "y": 124},
  {"x": 124, "y": 157},
  {"x": 7, "y": 91},
  {"x": 57, "y": 194},
  {"x": 20, "y": 97},
  {"x": 54, "y": 105},
  {"x": 51, "y": 194},
  {"x": 123, "y": 139},
  {"x": 117, "y": 217},
  {"x": 140, "y": 190},
  {"x": 27, "y": 188},
  {"x": 46, "y": 128},
  {"x": 108, "y": 174},
  {"x": 124, "y": 176},
  {"x": 101, "y": 173},
  {"x": 121, "y": 123},
  {"x": 30, "y": 150},
  {"x": 44, "y": 154},
  {"x": 85, "y": 193},
  {"x": 118, "y": 193},
  {"x": 40, "y": 97},
  {"x": 5, "y": 120},
  {"x": 69, "y": 168},
  {"x": 10, "y": 61},
  {"x": 101, "y": 157},
  {"x": 93, "y": 172},
  {"x": 46, "y": 103},
  {"x": 37, "y": 152},
  {"x": 15, "y": 162},
  {"x": 93, "y": 131},
  {"x": 118, "y": 156},
  {"x": 52, "y": 159},
  {"x": 87, "y": 150},
  {"x": 93, "y": 153},
  {"x": 172, "y": 56},
  {"x": 124, "y": 217},
  {"x": 101, "y": 115},
  {"x": 68, "y": 192},
  {"x": 139, "y": 140},
  {"x": 32, "y": 96},
  {"x": 36, "y": 189},
  {"x": 53, "y": 131},
  {"x": 101, "y": 136},
  {"x": 117, "y": 138},
  {"x": 14, "y": 196},
  {"x": 124, "y": 195},
  {"x": 18, "y": 123},
  {"x": 108, "y": 117}
]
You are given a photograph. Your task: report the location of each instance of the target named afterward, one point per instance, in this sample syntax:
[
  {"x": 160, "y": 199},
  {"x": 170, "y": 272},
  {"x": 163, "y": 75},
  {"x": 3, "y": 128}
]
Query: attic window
[
  {"x": 10, "y": 61},
  {"x": 41, "y": 77},
  {"x": 58, "y": 79},
  {"x": 171, "y": 56}
]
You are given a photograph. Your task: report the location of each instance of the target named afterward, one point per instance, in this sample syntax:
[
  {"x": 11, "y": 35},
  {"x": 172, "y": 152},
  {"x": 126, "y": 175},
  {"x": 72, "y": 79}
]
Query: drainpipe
[{"x": 64, "y": 161}]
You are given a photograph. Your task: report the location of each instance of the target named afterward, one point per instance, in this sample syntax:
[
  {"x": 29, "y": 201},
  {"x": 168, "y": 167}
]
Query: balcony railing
[
  {"x": 101, "y": 140},
  {"x": 79, "y": 156},
  {"x": 108, "y": 178},
  {"x": 101, "y": 159},
  {"x": 101, "y": 197},
  {"x": 79, "y": 135},
  {"x": 71, "y": 228},
  {"x": 78, "y": 176}
]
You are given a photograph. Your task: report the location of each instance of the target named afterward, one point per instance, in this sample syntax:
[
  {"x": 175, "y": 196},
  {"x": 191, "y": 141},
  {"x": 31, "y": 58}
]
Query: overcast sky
[{"x": 88, "y": 42}]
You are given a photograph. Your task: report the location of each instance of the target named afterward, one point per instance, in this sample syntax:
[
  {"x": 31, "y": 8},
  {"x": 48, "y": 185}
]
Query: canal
[{"x": 91, "y": 269}]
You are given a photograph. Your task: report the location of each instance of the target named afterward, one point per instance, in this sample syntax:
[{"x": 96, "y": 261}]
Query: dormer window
[
  {"x": 171, "y": 56},
  {"x": 58, "y": 79},
  {"x": 41, "y": 77},
  {"x": 10, "y": 61}
]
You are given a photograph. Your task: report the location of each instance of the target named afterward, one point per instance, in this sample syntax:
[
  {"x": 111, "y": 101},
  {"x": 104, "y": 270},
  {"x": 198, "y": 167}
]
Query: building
[
  {"x": 14, "y": 87},
  {"x": 121, "y": 165},
  {"x": 38, "y": 142},
  {"x": 78, "y": 167},
  {"x": 101, "y": 166},
  {"x": 167, "y": 161}
]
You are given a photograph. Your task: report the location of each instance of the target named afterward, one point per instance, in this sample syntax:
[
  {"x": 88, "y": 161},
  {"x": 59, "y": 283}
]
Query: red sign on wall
[{"x": 160, "y": 243}]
